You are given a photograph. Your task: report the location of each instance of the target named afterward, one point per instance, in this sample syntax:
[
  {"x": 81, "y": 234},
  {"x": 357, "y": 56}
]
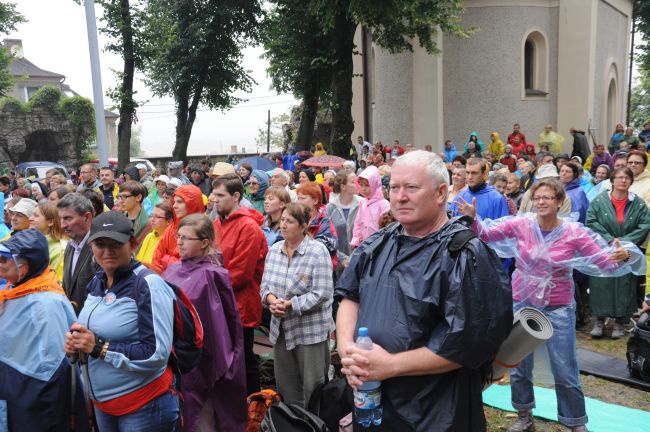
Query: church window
[{"x": 534, "y": 79}]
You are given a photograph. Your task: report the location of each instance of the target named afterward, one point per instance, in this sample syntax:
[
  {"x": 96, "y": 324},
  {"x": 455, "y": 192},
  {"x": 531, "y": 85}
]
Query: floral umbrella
[{"x": 324, "y": 161}]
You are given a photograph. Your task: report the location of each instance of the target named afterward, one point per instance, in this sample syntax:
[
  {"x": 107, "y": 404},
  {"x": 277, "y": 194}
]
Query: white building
[{"x": 531, "y": 62}]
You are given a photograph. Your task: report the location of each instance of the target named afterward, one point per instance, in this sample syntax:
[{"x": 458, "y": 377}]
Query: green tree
[
  {"x": 642, "y": 23},
  {"x": 300, "y": 59},
  {"x": 640, "y": 103},
  {"x": 395, "y": 26},
  {"x": 9, "y": 18},
  {"x": 277, "y": 137},
  {"x": 196, "y": 55}
]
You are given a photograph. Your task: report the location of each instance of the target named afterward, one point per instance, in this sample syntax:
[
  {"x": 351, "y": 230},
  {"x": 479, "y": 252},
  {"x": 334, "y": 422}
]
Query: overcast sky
[{"x": 55, "y": 38}]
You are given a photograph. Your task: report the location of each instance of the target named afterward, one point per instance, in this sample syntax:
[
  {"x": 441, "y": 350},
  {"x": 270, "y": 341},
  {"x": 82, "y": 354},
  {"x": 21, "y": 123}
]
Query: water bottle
[{"x": 367, "y": 397}]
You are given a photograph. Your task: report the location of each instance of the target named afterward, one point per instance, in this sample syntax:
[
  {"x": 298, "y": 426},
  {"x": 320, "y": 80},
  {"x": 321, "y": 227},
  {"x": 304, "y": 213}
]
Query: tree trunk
[
  {"x": 342, "y": 123},
  {"x": 308, "y": 117},
  {"x": 185, "y": 116},
  {"x": 127, "y": 105}
]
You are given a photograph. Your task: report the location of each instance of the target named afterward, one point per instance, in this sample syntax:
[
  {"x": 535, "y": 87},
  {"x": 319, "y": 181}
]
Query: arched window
[
  {"x": 529, "y": 65},
  {"x": 534, "y": 69}
]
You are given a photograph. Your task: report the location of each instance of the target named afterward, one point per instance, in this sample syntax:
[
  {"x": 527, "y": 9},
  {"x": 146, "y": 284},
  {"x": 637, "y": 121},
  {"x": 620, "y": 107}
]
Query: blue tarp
[{"x": 603, "y": 417}]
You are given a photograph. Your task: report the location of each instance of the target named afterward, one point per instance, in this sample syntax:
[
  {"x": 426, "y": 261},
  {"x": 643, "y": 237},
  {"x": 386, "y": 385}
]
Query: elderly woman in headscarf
[
  {"x": 258, "y": 183},
  {"x": 35, "y": 316}
]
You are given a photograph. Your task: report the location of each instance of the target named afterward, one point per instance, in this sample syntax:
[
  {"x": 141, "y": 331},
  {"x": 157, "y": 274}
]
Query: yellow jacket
[
  {"x": 496, "y": 146},
  {"x": 56, "y": 249},
  {"x": 148, "y": 247}
]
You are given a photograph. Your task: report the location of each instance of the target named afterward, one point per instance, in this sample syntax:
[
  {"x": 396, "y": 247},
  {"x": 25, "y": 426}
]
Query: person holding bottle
[{"x": 431, "y": 349}]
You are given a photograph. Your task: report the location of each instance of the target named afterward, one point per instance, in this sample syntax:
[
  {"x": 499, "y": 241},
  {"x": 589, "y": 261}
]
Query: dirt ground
[{"x": 593, "y": 387}]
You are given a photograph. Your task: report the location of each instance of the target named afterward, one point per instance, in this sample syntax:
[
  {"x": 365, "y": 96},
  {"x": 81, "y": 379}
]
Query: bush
[{"x": 46, "y": 97}]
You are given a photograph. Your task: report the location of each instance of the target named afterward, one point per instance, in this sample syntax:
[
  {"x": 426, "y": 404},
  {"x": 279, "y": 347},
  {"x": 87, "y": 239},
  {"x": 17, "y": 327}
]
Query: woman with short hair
[
  {"x": 297, "y": 288},
  {"x": 547, "y": 249},
  {"x": 622, "y": 215},
  {"x": 275, "y": 200}
]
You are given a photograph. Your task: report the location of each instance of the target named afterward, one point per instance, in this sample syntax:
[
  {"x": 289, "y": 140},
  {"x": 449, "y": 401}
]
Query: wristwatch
[{"x": 99, "y": 346}]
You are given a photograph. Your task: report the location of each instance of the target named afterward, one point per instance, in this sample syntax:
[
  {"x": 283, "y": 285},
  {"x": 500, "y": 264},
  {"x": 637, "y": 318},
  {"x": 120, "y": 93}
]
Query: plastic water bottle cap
[{"x": 363, "y": 331}]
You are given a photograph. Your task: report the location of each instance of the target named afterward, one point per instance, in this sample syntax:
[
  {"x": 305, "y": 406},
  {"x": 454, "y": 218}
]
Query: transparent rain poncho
[{"x": 545, "y": 263}]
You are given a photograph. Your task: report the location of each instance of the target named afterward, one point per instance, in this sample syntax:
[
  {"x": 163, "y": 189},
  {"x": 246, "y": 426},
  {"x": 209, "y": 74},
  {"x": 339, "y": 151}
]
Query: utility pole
[
  {"x": 268, "y": 133},
  {"x": 95, "y": 70}
]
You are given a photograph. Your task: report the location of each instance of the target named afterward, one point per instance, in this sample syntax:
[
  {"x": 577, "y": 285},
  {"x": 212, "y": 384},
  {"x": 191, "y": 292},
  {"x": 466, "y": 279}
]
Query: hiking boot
[
  {"x": 525, "y": 423},
  {"x": 597, "y": 330},
  {"x": 618, "y": 331}
]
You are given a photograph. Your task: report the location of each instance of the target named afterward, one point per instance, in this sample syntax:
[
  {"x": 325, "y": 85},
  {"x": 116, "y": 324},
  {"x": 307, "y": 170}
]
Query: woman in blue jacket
[{"x": 126, "y": 328}]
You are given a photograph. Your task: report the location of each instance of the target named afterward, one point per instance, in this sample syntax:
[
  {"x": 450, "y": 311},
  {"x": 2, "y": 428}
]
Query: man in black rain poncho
[{"x": 436, "y": 302}]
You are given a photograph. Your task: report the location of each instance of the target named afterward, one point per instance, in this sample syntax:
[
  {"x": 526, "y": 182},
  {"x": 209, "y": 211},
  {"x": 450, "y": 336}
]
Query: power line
[
  {"x": 247, "y": 99},
  {"x": 208, "y": 109}
]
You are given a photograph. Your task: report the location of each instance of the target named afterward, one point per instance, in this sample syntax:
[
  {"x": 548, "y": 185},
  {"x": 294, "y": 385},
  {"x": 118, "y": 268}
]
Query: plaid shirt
[{"x": 308, "y": 283}]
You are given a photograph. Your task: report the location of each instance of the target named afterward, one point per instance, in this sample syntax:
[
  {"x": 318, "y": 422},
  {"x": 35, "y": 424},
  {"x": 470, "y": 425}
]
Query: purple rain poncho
[{"x": 220, "y": 377}]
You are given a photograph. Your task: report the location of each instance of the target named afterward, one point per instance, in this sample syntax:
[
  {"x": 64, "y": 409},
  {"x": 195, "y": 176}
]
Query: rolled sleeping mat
[{"x": 530, "y": 329}]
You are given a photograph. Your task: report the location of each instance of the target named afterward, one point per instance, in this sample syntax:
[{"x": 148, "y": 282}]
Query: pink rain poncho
[
  {"x": 545, "y": 260},
  {"x": 370, "y": 209}
]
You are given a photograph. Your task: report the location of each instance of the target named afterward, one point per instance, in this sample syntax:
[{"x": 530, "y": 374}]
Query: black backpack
[
  {"x": 188, "y": 330},
  {"x": 638, "y": 351},
  {"x": 281, "y": 417},
  {"x": 332, "y": 401}
]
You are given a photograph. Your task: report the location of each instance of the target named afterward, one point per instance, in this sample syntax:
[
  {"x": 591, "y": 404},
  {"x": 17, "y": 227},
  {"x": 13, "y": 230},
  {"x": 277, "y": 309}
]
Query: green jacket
[{"x": 616, "y": 297}]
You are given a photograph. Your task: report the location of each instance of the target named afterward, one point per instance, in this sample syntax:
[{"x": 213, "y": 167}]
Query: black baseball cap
[{"x": 112, "y": 225}]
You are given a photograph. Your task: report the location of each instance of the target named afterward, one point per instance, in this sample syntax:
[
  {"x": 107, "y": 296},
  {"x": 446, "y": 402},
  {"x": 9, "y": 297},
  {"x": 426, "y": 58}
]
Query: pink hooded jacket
[{"x": 370, "y": 209}]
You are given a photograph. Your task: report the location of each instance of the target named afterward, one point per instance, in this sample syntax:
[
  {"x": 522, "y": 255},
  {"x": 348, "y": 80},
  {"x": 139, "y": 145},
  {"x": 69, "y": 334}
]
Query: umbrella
[
  {"x": 305, "y": 154},
  {"x": 324, "y": 161},
  {"x": 258, "y": 162}
]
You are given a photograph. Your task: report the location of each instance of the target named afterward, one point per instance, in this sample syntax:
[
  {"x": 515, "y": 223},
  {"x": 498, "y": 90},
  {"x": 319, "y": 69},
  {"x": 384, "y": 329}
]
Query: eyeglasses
[
  {"x": 621, "y": 178},
  {"x": 182, "y": 238},
  {"x": 123, "y": 196},
  {"x": 544, "y": 198},
  {"x": 158, "y": 217},
  {"x": 85, "y": 172},
  {"x": 632, "y": 162}
]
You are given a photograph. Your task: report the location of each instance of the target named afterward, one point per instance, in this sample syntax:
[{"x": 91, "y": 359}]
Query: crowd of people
[{"x": 409, "y": 243}]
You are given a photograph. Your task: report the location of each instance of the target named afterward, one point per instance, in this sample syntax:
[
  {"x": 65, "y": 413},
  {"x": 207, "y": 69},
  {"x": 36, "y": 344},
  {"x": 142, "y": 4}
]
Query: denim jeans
[
  {"x": 159, "y": 415},
  {"x": 564, "y": 366}
]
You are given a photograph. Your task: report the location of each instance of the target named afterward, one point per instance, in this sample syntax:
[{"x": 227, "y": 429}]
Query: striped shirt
[{"x": 307, "y": 282}]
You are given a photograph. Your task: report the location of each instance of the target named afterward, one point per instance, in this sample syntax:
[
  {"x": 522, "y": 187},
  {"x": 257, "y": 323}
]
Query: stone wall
[{"x": 38, "y": 135}]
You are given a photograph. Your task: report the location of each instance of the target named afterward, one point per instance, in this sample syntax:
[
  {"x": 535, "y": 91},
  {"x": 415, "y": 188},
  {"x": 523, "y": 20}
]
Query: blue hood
[{"x": 30, "y": 245}]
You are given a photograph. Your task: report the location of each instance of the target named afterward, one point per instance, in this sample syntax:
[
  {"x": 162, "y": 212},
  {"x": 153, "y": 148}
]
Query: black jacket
[
  {"x": 436, "y": 292},
  {"x": 580, "y": 146},
  {"x": 75, "y": 284}
]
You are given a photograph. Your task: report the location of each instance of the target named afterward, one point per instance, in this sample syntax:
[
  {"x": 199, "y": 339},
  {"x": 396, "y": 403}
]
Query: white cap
[
  {"x": 176, "y": 182},
  {"x": 546, "y": 171},
  {"x": 25, "y": 206},
  {"x": 162, "y": 178},
  {"x": 141, "y": 166}
]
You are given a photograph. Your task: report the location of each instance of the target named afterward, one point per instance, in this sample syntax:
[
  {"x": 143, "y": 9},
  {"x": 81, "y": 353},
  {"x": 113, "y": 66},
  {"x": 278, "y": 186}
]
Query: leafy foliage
[
  {"x": 195, "y": 55},
  {"x": 80, "y": 112},
  {"x": 642, "y": 16},
  {"x": 46, "y": 97},
  {"x": 640, "y": 103},
  {"x": 310, "y": 44},
  {"x": 9, "y": 17}
]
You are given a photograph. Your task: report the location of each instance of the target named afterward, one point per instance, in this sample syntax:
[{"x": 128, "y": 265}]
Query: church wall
[
  {"x": 393, "y": 97},
  {"x": 482, "y": 75},
  {"x": 611, "y": 46}
]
